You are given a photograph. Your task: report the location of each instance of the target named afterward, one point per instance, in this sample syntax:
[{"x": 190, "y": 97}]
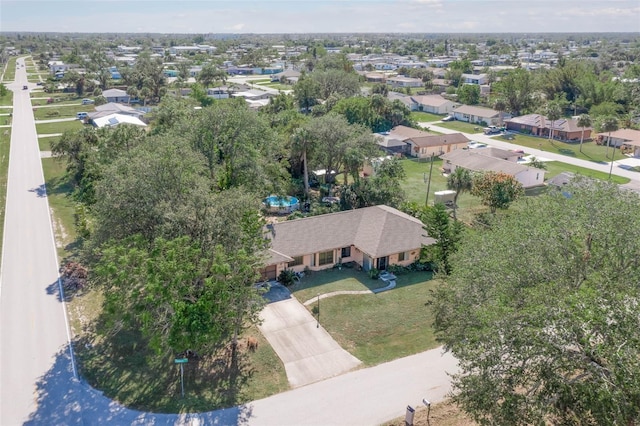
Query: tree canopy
[{"x": 542, "y": 311}]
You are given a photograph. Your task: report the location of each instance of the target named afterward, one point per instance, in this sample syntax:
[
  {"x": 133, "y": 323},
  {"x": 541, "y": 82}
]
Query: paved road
[{"x": 34, "y": 331}]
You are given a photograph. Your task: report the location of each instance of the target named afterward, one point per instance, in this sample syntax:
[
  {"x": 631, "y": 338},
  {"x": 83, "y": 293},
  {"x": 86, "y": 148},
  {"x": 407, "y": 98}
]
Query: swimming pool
[{"x": 283, "y": 205}]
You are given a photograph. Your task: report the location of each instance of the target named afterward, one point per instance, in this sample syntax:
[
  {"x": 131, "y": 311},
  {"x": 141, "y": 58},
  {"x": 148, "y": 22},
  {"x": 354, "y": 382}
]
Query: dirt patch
[
  {"x": 445, "y": 413},
  {"x": 58, "y": 230}
]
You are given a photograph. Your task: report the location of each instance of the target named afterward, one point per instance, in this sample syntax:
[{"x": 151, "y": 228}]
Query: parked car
[
  {"x": 82, "y": 115},
  {"x": 87, "y": 101},
  {"x": 25, "y": 87},
  {"x": 491, "y": 130},
  {"x": 474, "y": 145},
  {"x": 40, "y": 83},
  {"x": 448, "y": 118}
]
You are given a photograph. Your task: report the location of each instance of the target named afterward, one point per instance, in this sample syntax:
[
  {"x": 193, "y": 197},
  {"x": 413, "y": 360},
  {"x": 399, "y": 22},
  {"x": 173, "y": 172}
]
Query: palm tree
[
  {"x": 583, "y": 121},
  {"x": 553, "y": 113},
  {"x": 609, "y": 124},
  {"x": 302, "y": 144},
  {"x": 460, "y": 181}
]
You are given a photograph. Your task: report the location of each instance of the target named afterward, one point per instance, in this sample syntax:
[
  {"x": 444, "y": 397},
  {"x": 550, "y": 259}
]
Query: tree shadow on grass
[
  {"x": 64, "y": 400},
  {"x": 59, "y": 185}
]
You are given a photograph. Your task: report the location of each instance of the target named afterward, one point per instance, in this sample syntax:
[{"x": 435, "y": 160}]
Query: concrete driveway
[{"x": 308, "y": 352}]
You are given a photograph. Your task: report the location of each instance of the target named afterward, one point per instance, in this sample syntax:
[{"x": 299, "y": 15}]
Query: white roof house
[{"x": 116, "y": 119}]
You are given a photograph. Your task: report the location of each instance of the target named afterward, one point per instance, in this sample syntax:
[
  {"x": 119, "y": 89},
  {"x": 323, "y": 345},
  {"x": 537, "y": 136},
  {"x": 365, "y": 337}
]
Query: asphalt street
[{"x": 34, "y": 332}]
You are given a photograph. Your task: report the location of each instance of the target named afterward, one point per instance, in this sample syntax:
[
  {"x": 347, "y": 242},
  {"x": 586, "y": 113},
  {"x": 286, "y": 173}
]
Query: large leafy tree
[
  {"x": 516, "y": 88},
  {"x": 306, "y": 93},
  {"x": 496, "y": 190},
  {"x": 381, "y": 188},
  {"x": 336, "y": 82},
  {"x": 542, "y": 312}
]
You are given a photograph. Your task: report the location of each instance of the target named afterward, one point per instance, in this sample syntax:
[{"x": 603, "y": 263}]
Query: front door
[{"x": 382, "y": 263}]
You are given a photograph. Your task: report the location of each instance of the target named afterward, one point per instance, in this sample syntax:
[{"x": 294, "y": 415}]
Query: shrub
[
  {"x": 287, "y": 277},
  {"x": 374, "y": 273}
]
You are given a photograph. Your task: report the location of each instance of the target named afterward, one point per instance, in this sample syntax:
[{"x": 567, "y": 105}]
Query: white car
[
  {"x": 475, "y": 145},
  {"x": 448, "y": 118}
]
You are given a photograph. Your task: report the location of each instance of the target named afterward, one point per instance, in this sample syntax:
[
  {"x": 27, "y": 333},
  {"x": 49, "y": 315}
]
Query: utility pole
[{"x": 428, "y": 182}]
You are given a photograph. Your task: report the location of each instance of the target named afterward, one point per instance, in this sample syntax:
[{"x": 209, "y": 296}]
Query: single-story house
[
  {"x": 628, "y": 139},
  {"x": 375, "y": 77},
  {"x": 426, "y": 146},
  {"x": 475, "y": 79},
  {"x": 116, "y": 95},
  {"x": 476, "y": 160},
  {"x": 479, "y": 115},
  {"x": 401, "y": 81},
  {"x": 372, "y": 237},
  {"x": 565, "y": 129},
  {"x": 56, "y": 67},
  {"x": 394, "y": 141},
  {"x": 114, "y": 108},
  {"x": 286, "y": 76},
  {"x": 435, "y": 104},
  {"x": 221, "y": 92},
  {"x": 252, "y": 94},
  {"x": 113, "y": 120}
]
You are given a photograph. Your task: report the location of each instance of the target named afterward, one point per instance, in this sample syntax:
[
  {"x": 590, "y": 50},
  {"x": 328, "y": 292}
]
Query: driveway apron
[{"x": 308, "y": 352}]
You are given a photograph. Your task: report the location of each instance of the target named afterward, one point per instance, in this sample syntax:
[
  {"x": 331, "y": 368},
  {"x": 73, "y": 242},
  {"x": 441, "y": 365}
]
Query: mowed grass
[
  {"x": 61, "y": 127},
  {"x": 462, "y": 126},
  {"x": 45, "y": 143},
  {"x": 5, "y": 142},
  {"x": 10, "y": 70},
  {"x": 421, "y": 117},
  {"x": 60, "y": 200},
  {"x": 590, "y": 150},
  {"x": 377, "y": 328},
  {"x": 53, "y": 112},
  {"x": 555, "y": 167},
  {"x": 6, "y": 100}
]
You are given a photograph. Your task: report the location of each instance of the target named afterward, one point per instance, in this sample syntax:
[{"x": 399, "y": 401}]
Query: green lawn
[
  {"x": 425, "y": 117},
  {"x": 555, "y": 167},
  {"x": 45, "y": 143},
  {"x": 10, "y": 70},
  {"x": 590, "y": 150},
  {"x": 462, "y": 126},
  {"x": 58, "y": 194},
  {"x": 49, "y": 128},
  {"x": 6, "y": 100},
  {"x": 375, "y": 328},
  {"x": 49, "y": 113},
  {"x": 5, "y": 140}
]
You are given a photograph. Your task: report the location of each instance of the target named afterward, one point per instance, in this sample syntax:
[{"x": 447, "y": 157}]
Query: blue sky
[{"x": 311, "y": 16}]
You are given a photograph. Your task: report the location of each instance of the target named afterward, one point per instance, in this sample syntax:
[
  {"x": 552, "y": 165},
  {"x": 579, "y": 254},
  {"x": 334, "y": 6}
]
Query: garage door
[{"x": 269, "y": 273}]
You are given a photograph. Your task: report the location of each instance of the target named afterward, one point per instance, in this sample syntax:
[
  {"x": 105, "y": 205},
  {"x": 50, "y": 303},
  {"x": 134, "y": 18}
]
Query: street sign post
[{"x": 182, "y": 362}]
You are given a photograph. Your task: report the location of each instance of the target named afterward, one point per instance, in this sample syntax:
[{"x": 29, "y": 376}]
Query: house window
[
  {"x": 345, "y": 252},
  {"x": 325, "y": 258},
  {"x": 402, "y": 256},
  {"x": 297, "y": 260}
]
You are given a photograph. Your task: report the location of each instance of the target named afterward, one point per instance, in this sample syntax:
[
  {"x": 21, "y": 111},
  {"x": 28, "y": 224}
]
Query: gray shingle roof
[
  {"x": 477, "y": 111},
  {"x": 440, "y": 140},
  {"x": 475, "y": 161},
  {"x": 377, "y": 231}
]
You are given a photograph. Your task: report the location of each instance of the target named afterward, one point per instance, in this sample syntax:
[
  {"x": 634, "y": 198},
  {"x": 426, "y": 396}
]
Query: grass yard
[
  {"x": 60, "y": 201},
  {"x": 555, "y": 167},
  {"x": 49, "y": 128},
  {"x": 590, "y": 150},
  {"x": 53, "y": 112},
  {"x": 375, "y": 328},
  {"x": 5, "y": 142},
  {"x": 421, "y": 117},
  {"x": 6, "y": 100},
  {"x": 462, "y": 126},
  {"x": 10, "y": 70},
  {"x": 44, "y": 144}
]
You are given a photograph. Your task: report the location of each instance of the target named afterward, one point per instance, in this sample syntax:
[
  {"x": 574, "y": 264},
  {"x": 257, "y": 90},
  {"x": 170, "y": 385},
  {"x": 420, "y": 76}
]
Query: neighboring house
[
  {"x": 476, "y": 160},
  {"x": 56, "y": 67},
  {"x": 479, "y": 115},
  {"x": 628, "y": 139},
  {"x": 114, "y": 108},
  {"x": 475, "y": 79},
  {"x": 394, "y": 141},
  {"x": 375, "y": 77},
  {"x": 286, "y": 76},
  {"x": 405, "y": 99},
  {"x": 426, "y": 146},
  {"x": 435, "y": 104},
  {"x": 113, "y": 120},
  {"x": 221, "y": 92},
  {"x": 117, "y": 96},
  {"x": 538, "y": 125},
  {"x": 401, "y": 81},
  {"x": 372, "y": 237}
]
